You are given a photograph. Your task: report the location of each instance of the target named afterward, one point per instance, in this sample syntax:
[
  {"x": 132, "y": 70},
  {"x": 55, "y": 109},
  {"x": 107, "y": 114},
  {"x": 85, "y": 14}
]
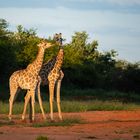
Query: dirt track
[{"x": 103, "y": 125}]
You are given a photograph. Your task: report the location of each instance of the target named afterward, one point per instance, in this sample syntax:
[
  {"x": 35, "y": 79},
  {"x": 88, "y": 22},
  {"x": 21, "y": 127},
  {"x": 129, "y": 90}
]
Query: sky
[{"x": 115, "y": 24}]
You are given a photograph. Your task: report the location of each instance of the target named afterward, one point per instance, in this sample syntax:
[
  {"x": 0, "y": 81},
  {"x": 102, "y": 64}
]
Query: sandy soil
[{"x": 102, "y": 125}]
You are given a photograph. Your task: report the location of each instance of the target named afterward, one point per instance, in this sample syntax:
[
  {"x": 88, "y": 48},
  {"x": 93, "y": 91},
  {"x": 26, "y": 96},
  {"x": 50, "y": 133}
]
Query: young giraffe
[
  {"x": 28, "y": 79},
  {"x": 52, "y": 74}
]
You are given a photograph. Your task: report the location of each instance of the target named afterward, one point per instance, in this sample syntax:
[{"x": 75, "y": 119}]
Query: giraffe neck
[
  {"x": 46, "y": 69},
  {"x": 48, "y": 66},
  {"x": 54, "y": 64},
  {"x": 36, "y": 65},
  {"x": 59, "y": 59}
]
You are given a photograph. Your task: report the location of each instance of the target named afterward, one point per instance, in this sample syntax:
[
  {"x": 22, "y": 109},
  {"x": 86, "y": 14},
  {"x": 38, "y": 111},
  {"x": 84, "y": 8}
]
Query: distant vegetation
[{"x": 85, "y": 67}]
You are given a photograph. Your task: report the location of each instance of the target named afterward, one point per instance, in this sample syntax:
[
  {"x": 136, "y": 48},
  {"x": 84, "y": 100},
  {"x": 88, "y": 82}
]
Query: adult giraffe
[
  {"x": 28, "y": 79},
  {"x": 52, "y": 74}
]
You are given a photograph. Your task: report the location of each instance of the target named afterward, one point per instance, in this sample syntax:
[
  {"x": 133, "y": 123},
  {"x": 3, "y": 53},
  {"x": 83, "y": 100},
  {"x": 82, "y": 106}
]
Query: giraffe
[
  {"x": 52, "y": 75},
  {"x": 28, "y": 79}
]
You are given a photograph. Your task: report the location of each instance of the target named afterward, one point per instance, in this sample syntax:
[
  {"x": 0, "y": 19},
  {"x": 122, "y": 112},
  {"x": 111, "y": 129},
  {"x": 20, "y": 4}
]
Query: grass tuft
[
  {"x": 65, "y": 122},
  {"x": 42, "y": 138},
  {"x": 91, "y": 137},
  {"x": 1, "y": 133},
  {"x": 136, "y": 136}
]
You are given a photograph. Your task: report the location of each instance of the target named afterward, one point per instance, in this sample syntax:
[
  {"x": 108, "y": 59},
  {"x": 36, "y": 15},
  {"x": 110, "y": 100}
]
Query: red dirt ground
[{"x": 102, "y": 125}]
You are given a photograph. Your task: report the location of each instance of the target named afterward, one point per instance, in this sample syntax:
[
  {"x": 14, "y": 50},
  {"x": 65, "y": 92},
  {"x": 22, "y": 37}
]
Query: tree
[
  {"x": 90, "y": 51},
  {"x": 78, "y": 50},
  {"x": 3, "y": 29},
  {"x": 25, "y": 45},
  {"x": 7, "y": 58}
]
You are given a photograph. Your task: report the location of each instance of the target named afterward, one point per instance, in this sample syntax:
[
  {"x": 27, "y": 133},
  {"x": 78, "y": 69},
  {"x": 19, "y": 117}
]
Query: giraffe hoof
[
  {"x": 23, "y": 118},
  {"x": 10, "y": 118},
  {"x": 52, "y": 120},
  {"x": 44, "y": 118},
  {"x": 24, "y": 121},
  {"x": 33, "y": 118},
  {"x": 61, "y": 119}
]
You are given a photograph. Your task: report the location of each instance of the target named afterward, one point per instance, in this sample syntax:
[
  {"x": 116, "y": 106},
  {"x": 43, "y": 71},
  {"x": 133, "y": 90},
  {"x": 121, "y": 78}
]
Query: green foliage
[
  {"x": 3, "y": 29},
  {"x": 84, "y": 66},
  {"x": 127, "y": 79},
  {"x": 74, "y": 50},
  {"x": 26, "y": 45},
  {"x": 3, "y": 24},
  {"x": 79, "y": 51},
  {"x": 7, "y": 57}
]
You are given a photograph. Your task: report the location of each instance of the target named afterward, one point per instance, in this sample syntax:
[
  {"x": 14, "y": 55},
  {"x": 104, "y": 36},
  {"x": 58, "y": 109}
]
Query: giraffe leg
[
  {"x": 27, "y": 98},
  {"x": 40, "y": 101},
  {"x": 13, "y": 90},
  {"x": 58, "y": 94},
  {"x": 33, "y": 105},
  {"x": 58, "y": 98},
  {"x": 51, "y": 90},
  {"x": 11, "y": 105}
]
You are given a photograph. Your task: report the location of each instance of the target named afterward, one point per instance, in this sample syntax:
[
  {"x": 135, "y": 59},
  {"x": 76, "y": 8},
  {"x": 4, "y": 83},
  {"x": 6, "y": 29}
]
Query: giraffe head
[
  {"x": 58, "y": 39},
  {"x": 44, "y": 44}
]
